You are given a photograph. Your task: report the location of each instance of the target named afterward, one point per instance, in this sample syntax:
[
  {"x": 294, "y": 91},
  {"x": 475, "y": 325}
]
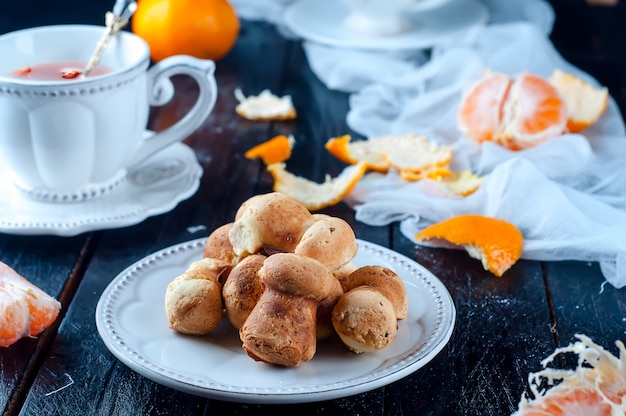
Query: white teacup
[
  {"x": 383, "y": 17},
  {"x": 70, "y": 140}
]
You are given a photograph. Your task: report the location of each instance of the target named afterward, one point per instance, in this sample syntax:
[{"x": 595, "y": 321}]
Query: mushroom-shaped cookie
[
  {"x": 366, "y": 316},
  {"x": 330, "y": 240},
  {"x": 325, "y": 311},
  {"x": 218, "y": 245},
  {"x": 281, "y": 329},
  {"x": 242, "y": 289},
  {"x": 385, "y": 281},
  {"x": 272, "y": 222},
  {"x": 193, "y": 300},
  {"x": 365, "y": 320},
  {"x": 343, "y": 273}
]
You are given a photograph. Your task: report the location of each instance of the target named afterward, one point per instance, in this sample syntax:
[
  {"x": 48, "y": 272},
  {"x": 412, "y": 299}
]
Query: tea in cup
[
  {"x": 383, "y": 17},
  {"x": 69, "y": 137}
]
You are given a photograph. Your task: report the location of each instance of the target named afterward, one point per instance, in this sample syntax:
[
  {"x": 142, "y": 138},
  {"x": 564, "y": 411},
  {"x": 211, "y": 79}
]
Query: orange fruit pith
[
  {"x": 481, "y": 107},
  {"x": 315, "y": 196},
  {"x": 358, "y": 151},
  {"x": 497, "y": 243},
  {"x": 277, "y": 149},
  {"x": 577, "y": 402},
  {"x": 585, "y": 103},
  {"x": 205, "y": 29}
]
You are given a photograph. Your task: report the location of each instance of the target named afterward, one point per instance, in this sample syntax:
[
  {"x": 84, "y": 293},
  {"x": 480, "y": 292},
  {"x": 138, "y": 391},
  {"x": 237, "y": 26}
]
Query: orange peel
[
  {"x": 436, "y": 173},
  {"x": 275, "y": 150},
  {"x": 358, "y": 151},
  {"x": 585, "y": 103},
  {"x": 265, "y": 107},
  {"x": 496, "y": 243},
  {"x": 463, "y": 183},
  {"x": 404, "y": 152},
  {"x": 313, "y": 195}
]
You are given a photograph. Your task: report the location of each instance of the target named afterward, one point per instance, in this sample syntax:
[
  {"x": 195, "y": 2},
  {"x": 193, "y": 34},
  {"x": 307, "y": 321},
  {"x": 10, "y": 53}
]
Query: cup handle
[{"x": 158, "y": 81}]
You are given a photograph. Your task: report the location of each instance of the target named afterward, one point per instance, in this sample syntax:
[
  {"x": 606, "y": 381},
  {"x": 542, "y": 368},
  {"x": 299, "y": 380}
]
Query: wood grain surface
[{"x": 505, "y": 326}]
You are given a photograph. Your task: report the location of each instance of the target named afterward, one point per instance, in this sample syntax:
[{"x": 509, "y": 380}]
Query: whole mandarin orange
[{"x": 205, "y": 29}]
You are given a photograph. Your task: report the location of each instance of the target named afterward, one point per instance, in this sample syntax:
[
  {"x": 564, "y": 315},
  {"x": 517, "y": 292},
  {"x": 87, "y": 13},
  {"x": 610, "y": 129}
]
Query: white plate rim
[
  {"x": 476, "y": 14},
  {"x": 113, "y": 338},
  {"x": 35, "y": 217}
]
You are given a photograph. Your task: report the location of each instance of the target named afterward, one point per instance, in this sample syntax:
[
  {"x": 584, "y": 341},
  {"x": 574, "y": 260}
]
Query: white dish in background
[
  {"x": 322, "y": 21},
  {"x": 131, "y": 320},
  {"x": 154, "y": 187}
]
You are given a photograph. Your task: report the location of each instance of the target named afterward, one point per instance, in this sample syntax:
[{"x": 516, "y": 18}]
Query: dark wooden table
[{"x": 504, "y": 327}]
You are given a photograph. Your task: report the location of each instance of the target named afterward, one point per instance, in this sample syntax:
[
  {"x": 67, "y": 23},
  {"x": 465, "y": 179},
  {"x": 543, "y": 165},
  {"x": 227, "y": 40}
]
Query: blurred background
[{"x": 588, "y": 33}]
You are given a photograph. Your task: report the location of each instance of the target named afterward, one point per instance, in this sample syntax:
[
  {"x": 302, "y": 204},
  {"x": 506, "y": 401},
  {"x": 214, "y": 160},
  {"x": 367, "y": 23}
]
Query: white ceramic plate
[
  {"x": 131, "y": 320},
  {"x": 322, "y": 21},
  {"x": 153, "y": 187}
]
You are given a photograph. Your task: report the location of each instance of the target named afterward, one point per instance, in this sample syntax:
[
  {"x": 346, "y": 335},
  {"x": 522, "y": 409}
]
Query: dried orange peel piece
[
  {"x": 359, "y": 151},
  {"x": 404, "y": 152},
  {"x": 463, "y": 183},
  {"x": 275, "y": 150},
  {"x": 411, "y": 152},
  {"x": 25, "y": 309},
  {"x": 585, "y": 103},
  {"x": 265, "y": 106},
  {"x": 497, "y": 243},
  {"x": 313, "y": 195},
  {"x": 412, "y": 155},
  {"x": 437, "y": 173}
]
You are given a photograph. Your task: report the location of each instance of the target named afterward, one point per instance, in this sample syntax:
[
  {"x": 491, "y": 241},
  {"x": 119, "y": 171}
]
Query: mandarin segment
[
  {"x": 14, "y": 317},
  {"x": 25, "y": 309},
  {"x": 577, "y": 402},
  {"x": 481, "y": 107},
  {"x": 516, "y": 113},
  {"x": 596, "y": 386},
  {"x": 533, "y": 113},
  {"x": 497, "y": 243}
]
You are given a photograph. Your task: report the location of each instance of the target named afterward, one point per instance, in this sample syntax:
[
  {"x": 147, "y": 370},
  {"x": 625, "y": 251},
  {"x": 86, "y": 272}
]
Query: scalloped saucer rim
[{"x": 153, "y": 187}]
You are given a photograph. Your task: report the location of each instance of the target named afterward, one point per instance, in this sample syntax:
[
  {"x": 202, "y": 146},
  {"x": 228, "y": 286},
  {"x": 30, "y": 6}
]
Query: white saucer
[
  {"x": 151, "y": 188},
  {"x": 323, "y": 21},
  {"x": 132, "y": 323}
]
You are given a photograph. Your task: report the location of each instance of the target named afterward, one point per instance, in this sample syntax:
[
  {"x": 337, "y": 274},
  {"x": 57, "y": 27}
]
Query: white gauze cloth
[{"x": 567, "y": 195}]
